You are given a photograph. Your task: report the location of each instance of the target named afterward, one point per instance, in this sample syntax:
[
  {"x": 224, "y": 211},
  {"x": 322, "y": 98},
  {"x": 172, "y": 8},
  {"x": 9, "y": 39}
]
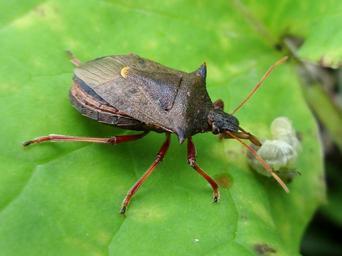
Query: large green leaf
[
  {"x": 314, "y": 21},
  {"x": 63, "y": 199}
]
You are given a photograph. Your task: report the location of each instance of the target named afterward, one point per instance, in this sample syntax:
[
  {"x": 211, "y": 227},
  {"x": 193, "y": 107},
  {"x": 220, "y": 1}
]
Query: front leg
[{"x": 193, "y": 164}]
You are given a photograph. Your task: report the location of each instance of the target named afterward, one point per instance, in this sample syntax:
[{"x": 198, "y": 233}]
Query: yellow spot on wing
[{"x": 124, "y": 72}]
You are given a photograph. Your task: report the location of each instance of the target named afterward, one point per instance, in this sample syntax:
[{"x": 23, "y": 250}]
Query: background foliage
[{"x": 63, "y": 199}]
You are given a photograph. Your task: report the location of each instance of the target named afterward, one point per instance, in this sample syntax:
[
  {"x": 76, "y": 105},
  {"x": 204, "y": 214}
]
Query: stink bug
[{"x": 134, "y": 93}]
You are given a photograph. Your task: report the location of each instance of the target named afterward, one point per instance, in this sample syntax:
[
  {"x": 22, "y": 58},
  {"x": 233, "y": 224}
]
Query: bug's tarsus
[
  {"x": 27, "y": 143},
  {"x": 262, "y": 161},
  {"x": 73, "y": 59},
  {"x": 135, "y": 187},
  {"x": 111, "y": 140},
  {"x": 123, "y": 210},
  {"x": 194, "y": 165},
  {"x": 256, "y": 87}
]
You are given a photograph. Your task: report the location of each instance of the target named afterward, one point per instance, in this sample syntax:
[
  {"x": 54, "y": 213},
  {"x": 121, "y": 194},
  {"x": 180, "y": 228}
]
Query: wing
[
  {"x": 143, "y": 89},
  {"x": 89, "y": 104}
]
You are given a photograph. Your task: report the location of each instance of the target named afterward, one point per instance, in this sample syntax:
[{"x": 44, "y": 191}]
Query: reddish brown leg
[
  {"x": 193, "y": 164},
  {"x": 149, "y": 171},
  {"x": 112, "y": 140}
]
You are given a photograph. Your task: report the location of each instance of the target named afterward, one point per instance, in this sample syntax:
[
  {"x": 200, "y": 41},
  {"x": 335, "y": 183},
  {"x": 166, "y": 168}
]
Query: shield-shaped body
[{"x": 135, "y": 93}]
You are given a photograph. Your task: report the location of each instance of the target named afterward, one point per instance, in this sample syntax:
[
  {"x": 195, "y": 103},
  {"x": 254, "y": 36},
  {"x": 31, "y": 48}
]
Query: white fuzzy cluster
[{"x": 281, "y": 151}]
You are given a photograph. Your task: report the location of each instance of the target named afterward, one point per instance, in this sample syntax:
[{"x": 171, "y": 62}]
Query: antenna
[
  {"x": 256, "y": 87},
  {"x": 262, "y": 161}
]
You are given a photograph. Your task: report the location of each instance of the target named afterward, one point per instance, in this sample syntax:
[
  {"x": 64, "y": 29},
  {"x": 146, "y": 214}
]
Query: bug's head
[
  {"x": 226, "y": 124},
  {"x": 221, "y": 121}
]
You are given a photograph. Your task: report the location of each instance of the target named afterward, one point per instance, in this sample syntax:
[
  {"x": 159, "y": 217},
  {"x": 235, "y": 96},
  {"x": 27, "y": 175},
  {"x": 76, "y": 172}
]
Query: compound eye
[{"x": 214, "y": 128}]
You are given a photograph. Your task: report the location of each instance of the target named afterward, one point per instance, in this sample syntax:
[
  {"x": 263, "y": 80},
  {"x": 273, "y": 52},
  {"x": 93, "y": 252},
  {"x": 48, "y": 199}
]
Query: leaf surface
[{"x": 64, "y": 198}]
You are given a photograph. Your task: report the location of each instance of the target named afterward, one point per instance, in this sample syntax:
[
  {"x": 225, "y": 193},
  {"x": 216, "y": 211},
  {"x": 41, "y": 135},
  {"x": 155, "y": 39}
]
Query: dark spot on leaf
[
  {"x": 278, "y": 47},
  {"x": 264, "y": 249},
  {"x": 224, "y": 180},
  {"x": 243, "y": 217}
]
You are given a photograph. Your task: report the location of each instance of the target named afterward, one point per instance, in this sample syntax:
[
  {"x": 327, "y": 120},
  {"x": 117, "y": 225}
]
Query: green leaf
[
  {"x": 324, "y": 43},
  {"x": 317, "y": 22},
  {"x": 64, "y": 199}
]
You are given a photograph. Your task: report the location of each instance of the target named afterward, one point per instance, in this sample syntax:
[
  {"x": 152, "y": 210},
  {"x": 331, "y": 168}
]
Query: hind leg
[{"x": 111, "y": 140}]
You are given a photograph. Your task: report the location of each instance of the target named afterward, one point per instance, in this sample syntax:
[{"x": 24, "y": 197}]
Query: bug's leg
[
  {"x": 111, "y": 140},
  {"x": 193, "y": 164},
  {"x": 158, "y": 159},
  {"x": 218, "y": 104},
  {"x": 73, "y": 58}
]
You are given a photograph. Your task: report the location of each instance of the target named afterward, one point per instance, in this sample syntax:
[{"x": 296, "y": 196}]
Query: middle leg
[
  {"x": 193, "y": 164},
  {"x": 149, "y": 171}
]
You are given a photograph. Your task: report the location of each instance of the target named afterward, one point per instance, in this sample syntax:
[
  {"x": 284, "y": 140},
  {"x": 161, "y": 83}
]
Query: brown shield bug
[{"x": 134, "y": 93}]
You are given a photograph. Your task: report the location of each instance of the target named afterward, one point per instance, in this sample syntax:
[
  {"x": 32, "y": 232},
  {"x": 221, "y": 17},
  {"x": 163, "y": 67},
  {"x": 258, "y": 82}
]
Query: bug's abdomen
[{"x": 91, "y": 105}]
